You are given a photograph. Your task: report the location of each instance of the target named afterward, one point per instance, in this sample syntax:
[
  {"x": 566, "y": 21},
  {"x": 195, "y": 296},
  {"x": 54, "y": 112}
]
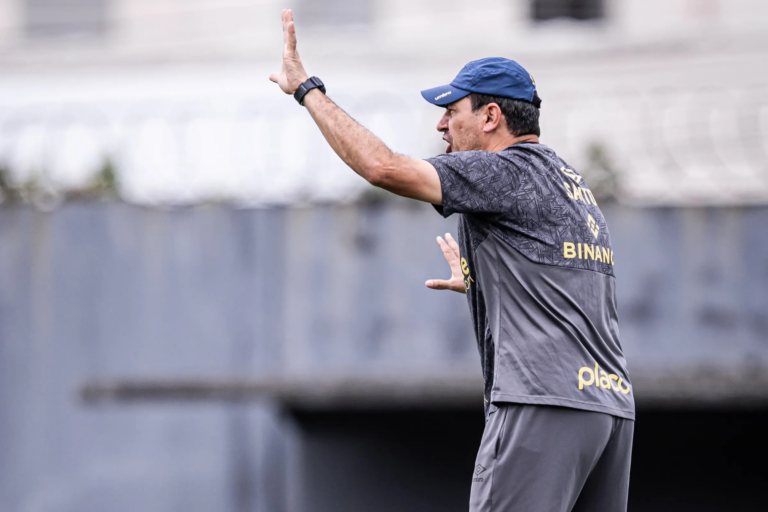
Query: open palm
[
  {"x": 292, "y": 74},
  {"x": 453, "y": 256}
]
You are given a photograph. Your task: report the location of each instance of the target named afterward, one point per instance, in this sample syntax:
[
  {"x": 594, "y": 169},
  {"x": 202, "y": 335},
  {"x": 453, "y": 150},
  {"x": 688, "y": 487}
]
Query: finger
[
  {"x": 438, "y": 284},
  {"x": 284, "y": 19},
  {"x": 452, "y": 243},
  {"x": 291, "y": 38},
  {"x": 289, "y": 31},
  {"x": 447, "y": 251}
]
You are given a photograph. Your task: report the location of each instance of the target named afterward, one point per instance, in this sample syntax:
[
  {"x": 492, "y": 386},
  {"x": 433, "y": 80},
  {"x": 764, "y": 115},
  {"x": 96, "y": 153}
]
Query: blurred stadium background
[{"x": 202, "y": 309}]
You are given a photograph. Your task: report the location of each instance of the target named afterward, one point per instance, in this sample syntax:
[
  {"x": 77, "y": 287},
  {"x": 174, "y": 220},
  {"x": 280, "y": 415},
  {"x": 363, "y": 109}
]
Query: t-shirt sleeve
[{"x": 474, "y": 182}]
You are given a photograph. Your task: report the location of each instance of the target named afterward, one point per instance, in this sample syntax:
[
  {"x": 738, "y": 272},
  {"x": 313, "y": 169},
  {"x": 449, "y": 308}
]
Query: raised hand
[
  {"x": 451, "y": 252},
  {"x": 293, "y": 74}
]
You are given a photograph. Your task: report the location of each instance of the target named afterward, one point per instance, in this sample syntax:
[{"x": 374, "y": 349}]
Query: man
[{"x": 535, "y": 260}]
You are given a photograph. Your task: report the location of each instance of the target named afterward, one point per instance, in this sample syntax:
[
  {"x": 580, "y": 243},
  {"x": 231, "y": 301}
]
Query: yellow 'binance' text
[{"x": 587, "y": 252}]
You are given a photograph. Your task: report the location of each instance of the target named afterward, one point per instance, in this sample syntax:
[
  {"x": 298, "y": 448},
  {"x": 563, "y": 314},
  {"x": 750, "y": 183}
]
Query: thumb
[
  {"x": 274, "y": 77},
  {"x": 438, "y": 284}
]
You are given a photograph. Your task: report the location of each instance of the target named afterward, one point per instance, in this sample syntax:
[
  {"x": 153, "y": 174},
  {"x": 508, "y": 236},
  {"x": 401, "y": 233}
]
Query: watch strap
[{"x": 308, "y": 85}]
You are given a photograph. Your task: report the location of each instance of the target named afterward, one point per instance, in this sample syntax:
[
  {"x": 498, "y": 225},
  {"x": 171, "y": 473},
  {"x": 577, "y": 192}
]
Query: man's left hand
[{"x": 452, "y": 255}]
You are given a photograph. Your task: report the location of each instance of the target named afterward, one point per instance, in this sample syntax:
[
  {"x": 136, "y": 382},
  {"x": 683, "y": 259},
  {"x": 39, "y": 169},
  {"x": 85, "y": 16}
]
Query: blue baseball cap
[{"x": 495, "y": 76}]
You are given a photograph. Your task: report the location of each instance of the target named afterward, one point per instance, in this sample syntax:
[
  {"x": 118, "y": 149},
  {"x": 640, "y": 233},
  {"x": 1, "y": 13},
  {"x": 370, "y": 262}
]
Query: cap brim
[{"x": 443, "y": 95}]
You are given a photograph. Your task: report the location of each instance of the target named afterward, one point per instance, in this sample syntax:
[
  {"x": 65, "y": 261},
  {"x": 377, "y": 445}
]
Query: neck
[{"x": 499, "y": 143}]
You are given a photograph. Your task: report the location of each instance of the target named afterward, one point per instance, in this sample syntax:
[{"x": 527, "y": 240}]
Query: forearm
[{"x": 361, "y": 150}]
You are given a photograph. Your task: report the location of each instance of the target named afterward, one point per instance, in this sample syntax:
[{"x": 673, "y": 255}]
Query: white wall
[
  {"x": 10, "y": 21},
  {"x": 178, "y": 94},
  {"x": 194, "y": 28},
  {"x": 690, "y": 18},
  {"x": 203, "y": 29}
]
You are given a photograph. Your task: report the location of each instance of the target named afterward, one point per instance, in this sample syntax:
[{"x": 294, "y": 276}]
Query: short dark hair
[{"x": 522, "y": 117}]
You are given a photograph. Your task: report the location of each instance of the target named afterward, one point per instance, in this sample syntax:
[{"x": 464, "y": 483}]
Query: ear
[{"x": 493, "y": 117}]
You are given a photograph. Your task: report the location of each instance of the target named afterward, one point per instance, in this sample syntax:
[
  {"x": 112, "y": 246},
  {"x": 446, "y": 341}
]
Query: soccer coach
[{"x": 535, "y": 260}]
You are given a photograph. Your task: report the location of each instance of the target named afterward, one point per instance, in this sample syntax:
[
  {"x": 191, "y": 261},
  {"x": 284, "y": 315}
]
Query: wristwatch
[{"x": 312, "y": 83}]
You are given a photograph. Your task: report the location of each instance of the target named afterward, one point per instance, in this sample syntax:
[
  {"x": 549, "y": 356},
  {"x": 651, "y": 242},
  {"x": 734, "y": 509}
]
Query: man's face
[{"x": 462, "y": 129}]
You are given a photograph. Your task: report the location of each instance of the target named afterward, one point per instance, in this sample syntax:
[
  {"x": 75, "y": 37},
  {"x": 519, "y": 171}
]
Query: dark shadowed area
[{"x": 697, "y": 460}]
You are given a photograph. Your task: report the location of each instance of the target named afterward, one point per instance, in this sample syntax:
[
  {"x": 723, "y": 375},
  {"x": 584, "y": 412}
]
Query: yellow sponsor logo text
[
  {"x": 587, "y": 252},
  {"x": 464, "y": 266},
  {"x": 465, "y": 270},
  {"x": 593, "y": 227},
  {"x": 601, "y": 379}
]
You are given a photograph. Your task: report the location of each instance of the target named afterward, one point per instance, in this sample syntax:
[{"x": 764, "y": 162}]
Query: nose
[{"x": 442, "y": 125}]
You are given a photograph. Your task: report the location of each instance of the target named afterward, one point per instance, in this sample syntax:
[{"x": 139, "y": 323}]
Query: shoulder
[
  {"x": 530, "y": 151},
  {"x": 465, "y": 156},
  {"x": 535, "y": 161},
  {"x": 519, "y": 153},
  {"x": 518, "y": 162},
  {"x": 471, "y": 161}
]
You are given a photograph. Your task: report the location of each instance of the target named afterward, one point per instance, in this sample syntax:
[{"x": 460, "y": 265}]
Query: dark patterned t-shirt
[{"x": 538, "y": 272}]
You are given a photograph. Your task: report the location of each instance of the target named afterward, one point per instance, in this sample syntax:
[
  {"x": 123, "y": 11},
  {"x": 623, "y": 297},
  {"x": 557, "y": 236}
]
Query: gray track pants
[{"x": 536, "y": 458}]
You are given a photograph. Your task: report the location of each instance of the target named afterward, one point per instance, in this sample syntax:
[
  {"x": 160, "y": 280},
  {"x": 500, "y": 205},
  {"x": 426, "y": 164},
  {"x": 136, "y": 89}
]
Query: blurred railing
[{"x": 666, "y": 146}]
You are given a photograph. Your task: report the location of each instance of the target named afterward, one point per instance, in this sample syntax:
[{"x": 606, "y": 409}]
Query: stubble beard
[{"x": 468, "y": 143}]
